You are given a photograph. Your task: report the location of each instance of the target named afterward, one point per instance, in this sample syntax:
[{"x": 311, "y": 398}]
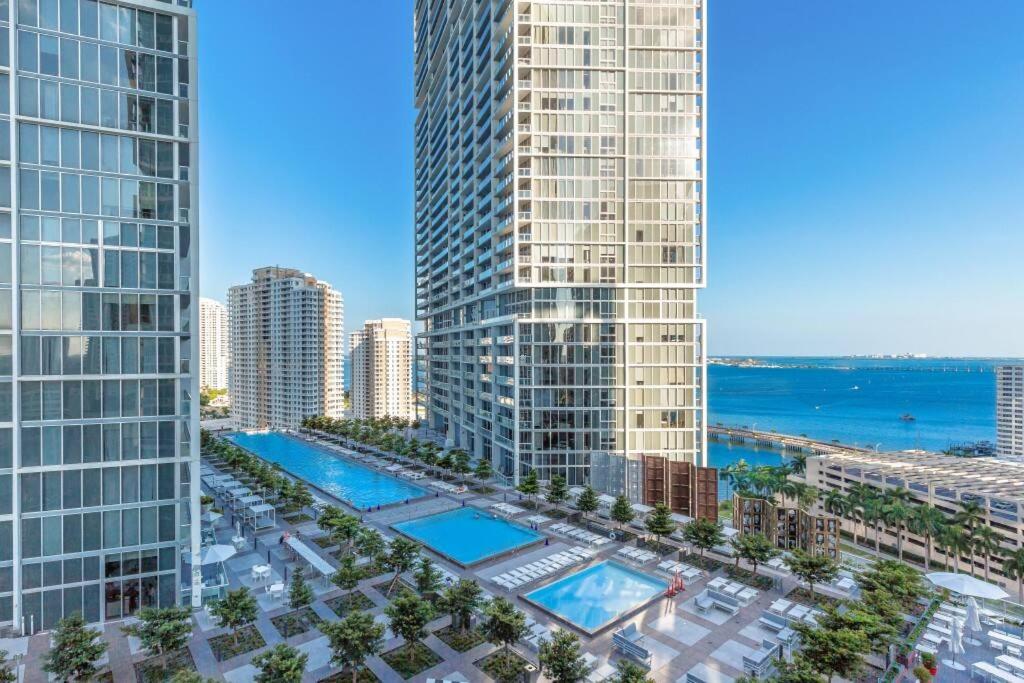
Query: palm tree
[
  {"x": 835, "y": 503},
  {"x": 858, "y": 495},
  {"x": 895, "y": 514},
  {"x": 954, "y": 543},
  {"x": 1013, "y": 567},
  {"x": 928, "y": 522},
  {"x": 873, "y": 508},
  {"x": 798, "y": 463},
  {"x": 970, "y": 516},
  {"x": 987, "y": 542}
]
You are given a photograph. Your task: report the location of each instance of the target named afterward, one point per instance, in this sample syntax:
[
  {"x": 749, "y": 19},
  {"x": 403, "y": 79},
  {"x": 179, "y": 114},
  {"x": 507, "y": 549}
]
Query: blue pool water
[
  {"x": 467, "y": 535},
  {"x": 598, "y": 595},
  {"x": 358, "y": 485}
]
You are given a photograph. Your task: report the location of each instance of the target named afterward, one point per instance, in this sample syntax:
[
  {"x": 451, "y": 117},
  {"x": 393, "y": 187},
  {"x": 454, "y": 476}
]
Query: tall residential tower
[
  {"x": 560, "y": 165},
  {"x": 99, "y": 315},
  {"x": 1010, "y": 410},
  {"x": 214, "y": 344},
  {"x": 287, "y": 346},
  {"x": 381, "y": 355}
]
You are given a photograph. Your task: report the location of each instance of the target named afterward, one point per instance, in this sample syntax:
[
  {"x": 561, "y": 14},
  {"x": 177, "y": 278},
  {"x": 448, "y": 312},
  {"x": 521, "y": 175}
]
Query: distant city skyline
[{"x": 873, "y": 212}]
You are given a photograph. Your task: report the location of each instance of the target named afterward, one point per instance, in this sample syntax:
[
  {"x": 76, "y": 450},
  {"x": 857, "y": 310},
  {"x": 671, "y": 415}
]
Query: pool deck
[{"x": 678, "y": 637}]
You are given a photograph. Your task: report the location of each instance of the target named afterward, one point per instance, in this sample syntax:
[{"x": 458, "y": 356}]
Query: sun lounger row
[
  {"x": 520, "y": 576},
  {"x": 536, "y": 634},
  {"x": 579, "y": 534},
  {"x": 684, "y": 570},
  {"x": 447, "y": 488},
  {"x": 637, "y": 555},
  {"x": 412, "y": 474},
  {"x": 508, "y": 509},
  {"x": 745, "y": 594}
]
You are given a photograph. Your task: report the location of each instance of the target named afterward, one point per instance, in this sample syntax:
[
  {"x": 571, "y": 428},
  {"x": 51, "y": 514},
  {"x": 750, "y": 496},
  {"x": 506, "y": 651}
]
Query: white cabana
[
  {"x": 246, "y": 502},
  {"x": 641, "y": 510},
  {"x": 213, "y": 554},
  {"x": 322, "y": 566},
  {"x": 260, "y": 516},
  {"x": 238, "y": 493},
  {"x": 966, "y": 585}
]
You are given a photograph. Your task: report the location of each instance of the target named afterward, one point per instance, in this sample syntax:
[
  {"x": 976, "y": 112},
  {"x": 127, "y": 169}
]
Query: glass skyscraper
[
  {"x": 560, "y": 237},
  {"x": 98, "y": 307}
]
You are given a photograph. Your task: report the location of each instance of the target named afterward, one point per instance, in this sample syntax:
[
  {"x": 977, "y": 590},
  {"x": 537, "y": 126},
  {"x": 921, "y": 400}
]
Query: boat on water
[{"x": 907, "y": 417}]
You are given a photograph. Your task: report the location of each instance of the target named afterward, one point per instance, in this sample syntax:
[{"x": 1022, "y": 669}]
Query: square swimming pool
[
  {"x": 598, "y": 596},
  {"x": 356, "y": 484},
  {"x": 468, "y": 536}
]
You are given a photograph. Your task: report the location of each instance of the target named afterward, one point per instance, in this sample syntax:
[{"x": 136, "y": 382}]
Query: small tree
[
  {"x": 561, "y": 659},
  {"x": 75, "y": 650},
  {"x": 353, "y": 640},
  {"x": 622, "y": 511},
  {"x": 558, "y": 491},
  {"x": 460, "y": 462},
  {"x": 428, "y": 578},
  {"x": 483, "y": 470},
  {"x": 798, "y": 671},
  {"x": 529, "y": 485},
  {"x": 348, "y": 575},
  {"x": 300, "y": 495},
  {"x": 409, "y": 615},
  {"x": 833, "y": 652},
  {"x": 300, "y": 594},
  {"x": 631, "y": 673},
  {"x": 280, "y": 664},
  {"x": 812, "y": 569},
  {"x": 459, "y": 600},
  {"x": 754, "y": 548},
  {"x": 660, "y": 522},
  {"x": 504, "y": 624},
  {"x": 370, "y": 543},
  {"x": 587, "y": 502},
  {"x": 162, "y": 630},
  {"x": 237, "y": 609},
  {"x": 7, "y": 674},
  {"x": 187, "y": 676},
  {"x": 703, "y": 534},
  {"x": 401, "y": 556}
]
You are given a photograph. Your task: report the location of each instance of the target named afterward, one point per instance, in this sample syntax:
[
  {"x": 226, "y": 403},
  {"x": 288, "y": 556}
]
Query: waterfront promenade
[{"x": 782, "y": 442}]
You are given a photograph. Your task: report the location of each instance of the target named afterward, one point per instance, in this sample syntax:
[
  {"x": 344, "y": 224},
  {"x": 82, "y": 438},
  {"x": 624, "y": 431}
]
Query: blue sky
[{"x": 866, "y": 167}]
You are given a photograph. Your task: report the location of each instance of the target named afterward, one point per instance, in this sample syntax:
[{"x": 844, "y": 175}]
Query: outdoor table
[
  {"x": 276, "y": 590},
  {"x": 1015, "y": 663},
  {"x": 1006, "y": 638},
  {"x": 941, "y": 630},
  {"x": 261, "y": 572},
  {"x": 992, "y": 672}
]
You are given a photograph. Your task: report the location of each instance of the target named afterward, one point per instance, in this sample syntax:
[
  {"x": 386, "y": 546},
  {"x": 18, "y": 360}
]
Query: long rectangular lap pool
[
  {"x": 355, "y": 484},
  {"x": 468, "y": 536},
  {"x": 598, "y": 596}
]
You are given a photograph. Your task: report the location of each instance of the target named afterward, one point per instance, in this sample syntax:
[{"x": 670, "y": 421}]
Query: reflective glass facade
[
  {"x": 560, "y": 233},
  {"x": 98, "y": 306}
]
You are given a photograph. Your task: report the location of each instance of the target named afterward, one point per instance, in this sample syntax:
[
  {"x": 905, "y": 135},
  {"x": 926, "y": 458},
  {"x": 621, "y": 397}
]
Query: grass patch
[
  {"x": 502, "y": 661},
  {"x": 662, "y": 549},
  {"x": 350, "y": 602},
  {"x": 483, "y": 490},
  {"x": 224, "y": 646},
  {"x": 706, "y": 563},
  {"x": 289, "y": 509},
  {"x": 345, "y": 676},
  {"x": 460, "y": 641},
  {"x": 804, "y": 597},
  {"x": 557, "y": 514},
  {"x": 324, "y": 541},
  {"x": 298, "y": 518},
  {"x": 744, "y": 576},
  {"x": 411, "y": 659},
  {"x": 160, "y": 669},
  {"x": 402, "y": 585},
  {"x": 295, "y": 622}
]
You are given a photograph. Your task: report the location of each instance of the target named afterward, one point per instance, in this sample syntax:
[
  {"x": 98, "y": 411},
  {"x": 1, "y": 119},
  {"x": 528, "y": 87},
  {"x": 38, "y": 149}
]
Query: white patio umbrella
[
  {"x": 965, "y": 584},
  {"x": 212, "y": 554},
  {"x": 973, "y": 622},
  {"x": 210, "y": 516},
  {"x": 956, "y": 646}
]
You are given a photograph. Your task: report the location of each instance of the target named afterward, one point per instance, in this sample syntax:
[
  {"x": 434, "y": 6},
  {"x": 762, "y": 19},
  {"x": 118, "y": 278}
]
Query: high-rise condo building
[
  {"x": 214, "y": 344},
  {"x": 99, "y": 375},
  {"x": 287, "y": 348},
  {"x": 560, "y": 158},
  {"x": 381, "y": 355},
  {"x": 1010, "y": 410}
]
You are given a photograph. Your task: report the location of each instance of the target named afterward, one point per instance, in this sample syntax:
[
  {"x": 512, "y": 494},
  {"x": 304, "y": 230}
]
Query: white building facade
[
  {"x": 381, "y": 356},
  {"x": 99, "y": 315},
  {"x": 1010, "y": 410},
  {"x": 214, "y": 344},
  {"x": 287, "y": 349},
  {"x": 560, "y": 235}
]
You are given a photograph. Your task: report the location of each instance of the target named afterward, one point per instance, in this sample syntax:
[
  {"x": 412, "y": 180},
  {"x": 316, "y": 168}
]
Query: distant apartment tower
[
  {"x": 1010, "y": 410},
  {"x": 381, "y": 355},
  {"x": 99, "y": 315},
  {"x": 560, "y": 231},
  {"x": 214, "y": 344},
  {"x": 287, "y": 347}
]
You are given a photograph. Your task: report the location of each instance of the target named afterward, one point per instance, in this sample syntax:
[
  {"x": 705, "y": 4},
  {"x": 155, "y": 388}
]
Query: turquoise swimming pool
[
  {"x": 598, "y": 596},
  {"x": 467, "y": 535},
  {"x": 355, "y": 484}
]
